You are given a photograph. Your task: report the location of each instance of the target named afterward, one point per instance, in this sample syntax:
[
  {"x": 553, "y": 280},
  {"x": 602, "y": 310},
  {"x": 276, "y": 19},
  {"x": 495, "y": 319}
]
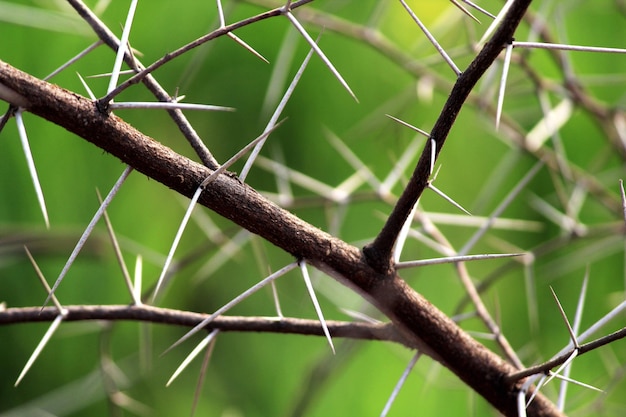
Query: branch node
[
  {"x": 103, "y": 107},
  {"x": 378, "y": 261}
]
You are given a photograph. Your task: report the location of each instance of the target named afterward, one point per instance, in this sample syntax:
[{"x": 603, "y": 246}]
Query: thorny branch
[
  {"x": 417, "y": 320},
  {"x": 287, "y": 325},
  {"x": 419, "y": 323}
]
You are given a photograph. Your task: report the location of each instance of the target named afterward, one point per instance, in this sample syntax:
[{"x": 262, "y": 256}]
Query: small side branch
[{"x": 379, "y": 252}]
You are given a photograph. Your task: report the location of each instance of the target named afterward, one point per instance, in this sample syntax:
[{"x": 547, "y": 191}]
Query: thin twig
[{"x": 146, "y": 313}]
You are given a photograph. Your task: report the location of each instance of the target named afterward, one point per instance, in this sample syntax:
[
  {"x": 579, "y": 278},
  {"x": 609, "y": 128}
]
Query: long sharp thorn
[
  {"x": 247, "y": 47},
  {"x": 44, "y": 340},
  {"x": 410, "y": 126},
  {"x": 242, "y": 152},
  {"x": 272, "y": 122},
  {"x": 521, "y": 403},
  {"x": 538, "y": 387},
  {"x": 448, "y": 199},
  {"x": 581, "y": 384},
  {"x": 505, "y": 73},
  {"x": 496, "y": 213},
  {"x": 232, "y": 303},
  {"x": 201, "y": 377},
  {"x": 433, "y": 155},
  {"x": 480, "y": 9},
  {"x": 74, "y": 59},
  {"x": 179, "y": 233},
  {"x": 43, "y": 279},
  {"x": 118, "y": 253},
  {"x": 404, "y": 233},
  {"x": 86, "y": 87},
  {"x": 495, "y": 23},
  {"x": 565, "y": 380},
  {"x": 454, "y": 259},
  {"x": 194, "y": 201},
  {"x": 137, "y": 280},
  {"x": 557, "y": 373},
  {"x": 169, "y": 105},
  {"x": 192, "y": 356},
  {"x": 316, "y": 305},
  {"x": 220, "y": 13},
  {"x": 31, "y": 165},
  {"x": 464, "y": 10},
  {"x": 320, "y": 53},
  {"x": 432, "y": 39},
  {"x": 121, "y": 50},
  {"x": 400, "y": 383},
  {"x": 564, "y": 316},
  {"x": 566, "y": 47},
  {"x": 88, "y": 230}
]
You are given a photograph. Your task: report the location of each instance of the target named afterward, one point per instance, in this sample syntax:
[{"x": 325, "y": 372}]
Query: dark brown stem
[
  {"x": 379, "y": 252},
  {"x": 364, "y": 331}
]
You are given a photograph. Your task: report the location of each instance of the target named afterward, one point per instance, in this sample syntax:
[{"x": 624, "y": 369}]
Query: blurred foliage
[{"x": 263, "y": 374}]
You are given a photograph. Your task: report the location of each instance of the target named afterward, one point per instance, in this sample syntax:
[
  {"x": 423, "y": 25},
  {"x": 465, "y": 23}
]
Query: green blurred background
[{"x": 281, "y": 375}]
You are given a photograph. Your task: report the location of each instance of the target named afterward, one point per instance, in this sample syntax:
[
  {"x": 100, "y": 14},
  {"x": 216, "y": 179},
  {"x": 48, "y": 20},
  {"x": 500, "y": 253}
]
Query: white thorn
[
  {"x": 564, "y": 316},
  {"x": 137, "y": 281},
  {"x": 316, "y": 305},
  {"x": 89, "y": 229},
  {"x": 272, "y": 122},
  {"x": 44, "y": 340},
  {"x": 410, "y": 126},
  {"x": 505, "y": 73},
  {"x": 121, "y": 50},
  {"x": 31, "y": 165},
  {"x": 43, "y": 280},
  {"x": 233, "y": 303},
  {"x": 495, "y": 23},
  {"x": 432, "y": 39},
  {"x": 169, "y": 105},
  {"x": 400, "y": 383},
  {"x": 86, "y": 86},
  {"x": 433, "y": 155},
  {"x": 319, "y": 52},
  {"x": 192, "y": 356},
  {"x": 179, "y": 233},
  {"x": 447, "y": 198},
  {"x": 454, "y": 259},
  {"x": 564, "y": 47},
  {"x": 247, "y": 47}
]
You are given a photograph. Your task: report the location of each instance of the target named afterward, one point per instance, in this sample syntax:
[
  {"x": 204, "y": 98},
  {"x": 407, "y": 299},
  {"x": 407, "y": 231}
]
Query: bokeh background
[{"x": 283, "y": 375}]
